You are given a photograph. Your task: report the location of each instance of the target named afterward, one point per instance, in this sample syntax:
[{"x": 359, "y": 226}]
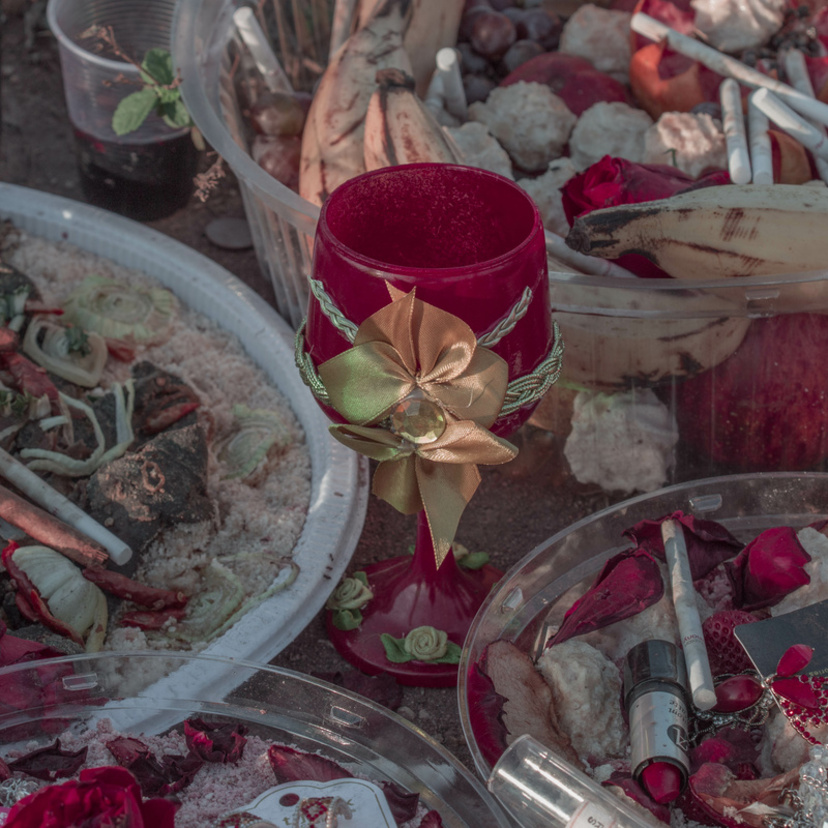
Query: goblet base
[{"x": 407, "y": 597}]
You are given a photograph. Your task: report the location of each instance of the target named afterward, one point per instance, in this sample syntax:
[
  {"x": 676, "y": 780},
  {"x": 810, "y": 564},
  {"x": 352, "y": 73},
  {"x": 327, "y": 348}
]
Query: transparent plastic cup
[{"x": 146, "y": 174}]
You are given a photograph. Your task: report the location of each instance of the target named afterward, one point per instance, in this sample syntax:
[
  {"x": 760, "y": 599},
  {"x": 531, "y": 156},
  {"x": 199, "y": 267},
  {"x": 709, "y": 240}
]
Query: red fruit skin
[
  {"x": 765, "y": 408},
  {"x": 725, "y": 652},
  {"x": 574, "y": 79}
]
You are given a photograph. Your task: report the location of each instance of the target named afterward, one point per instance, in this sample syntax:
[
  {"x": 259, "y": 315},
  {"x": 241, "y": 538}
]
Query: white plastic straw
[
  {"x": 728, "y": 66},
  {"x": 810, "y": 136},
  {"x": 733, "y": 119},
  {"x": 797, "y": 72},
  {"x": 257, "y": 43},
  {"x": 761, "y": 156},
  {"x": 699, "y": 675},
  {"x": 448, "y": 67},
  {"x": 61, "y": 507}
]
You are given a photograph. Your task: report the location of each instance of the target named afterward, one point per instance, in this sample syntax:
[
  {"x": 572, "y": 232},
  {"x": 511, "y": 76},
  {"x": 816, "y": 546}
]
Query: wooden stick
[
  {"x": 257, "y": 44},
  {"x": 38, "y": 524},
  {"x": 728, "y": 66}
]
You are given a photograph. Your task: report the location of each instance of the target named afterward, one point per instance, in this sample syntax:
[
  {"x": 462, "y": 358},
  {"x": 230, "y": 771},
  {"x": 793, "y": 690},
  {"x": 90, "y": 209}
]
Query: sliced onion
[
  {"x": 70, "y": 597},
  {"x": 118, "y": 311},
  {"x": 256, "y": 432},
  {"x": 48, "y": 344},
  {"x": 219, "y": 597}
]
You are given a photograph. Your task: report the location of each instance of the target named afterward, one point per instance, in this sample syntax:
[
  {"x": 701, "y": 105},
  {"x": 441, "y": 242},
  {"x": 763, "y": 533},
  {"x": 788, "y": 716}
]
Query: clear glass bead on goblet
[{"x": 471, "y": 242}]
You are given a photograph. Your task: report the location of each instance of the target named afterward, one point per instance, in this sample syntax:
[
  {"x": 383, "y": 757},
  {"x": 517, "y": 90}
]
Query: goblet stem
[{"x": 410, "y": 592}]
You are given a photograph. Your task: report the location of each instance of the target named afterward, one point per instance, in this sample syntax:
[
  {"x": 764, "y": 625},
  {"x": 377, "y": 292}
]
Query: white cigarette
[
  {"x": 728, "y": 66},
  {"x": 733, "y": 121},
  {"x": 61, "y": 507},
  {"x": 797, "y": 71},
  {"x": 448, "y": 66},
  {"x": 810, "y": 136},
  {"x": 591, "y": 265},
  {"x": 257, "y": 43},
  {"x": 687, "y": 615},
  {"x": 761, "y": 155},
  {"x": 435, "y": 95}
]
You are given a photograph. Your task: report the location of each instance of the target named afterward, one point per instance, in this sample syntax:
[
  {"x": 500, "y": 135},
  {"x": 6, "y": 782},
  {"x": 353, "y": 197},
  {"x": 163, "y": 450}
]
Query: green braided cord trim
[
  {"x": 307, "y": 370},
  {"x": 332, "y": 312},
  {"x": 521, "y": 391},
  {"x": 507, "y": 324},
  {"x": 532, "y": 387},
  {"x": 347, "y": 328}
]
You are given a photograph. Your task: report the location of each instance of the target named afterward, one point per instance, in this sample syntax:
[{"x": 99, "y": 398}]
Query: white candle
[
  {"x": 687, "y": 615},
  {"x": 728, "y": 66},
  {"x": 810, "y": 136},
  {"x": 733, "y": 122},
  {"x": 761, "y": 156}
]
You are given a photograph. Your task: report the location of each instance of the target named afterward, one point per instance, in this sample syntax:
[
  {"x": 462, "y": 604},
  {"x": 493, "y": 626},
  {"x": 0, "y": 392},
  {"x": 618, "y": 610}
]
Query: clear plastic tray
[
  {"x": 275, "y": 704},
  {"x": 745, "y": 504},
  {"x": 339, "y": 478}
]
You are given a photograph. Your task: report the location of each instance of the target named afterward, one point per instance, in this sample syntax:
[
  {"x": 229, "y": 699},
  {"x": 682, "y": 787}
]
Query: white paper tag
[
  {"x": 592, "y": 815},
  {"x": 340, "y": 803}
]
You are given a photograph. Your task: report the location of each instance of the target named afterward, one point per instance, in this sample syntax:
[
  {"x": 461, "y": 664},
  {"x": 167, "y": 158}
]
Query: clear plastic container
[
  {"x": 719, "y": 364},
  {"x": 569, "y": 561},
  {"x": 147, "y": 173},
  {"x": 275, "y": 704},
  {"x": 281, "y": 222}
]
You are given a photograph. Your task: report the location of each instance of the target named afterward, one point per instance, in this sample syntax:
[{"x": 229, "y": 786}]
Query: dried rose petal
[
  {"x": 730, "y": 746},
  {"x": 51, "y": 762},
  {"x": 794, "y": 659},
  {"x": 215, "y": 742},
  {"x": 629, "y": 583},
  {"x": 180, "y": 771},
  {"x": 797, "y": 691},
  {"x": 768, "y": 568},
  {"x": 402, "y": 803},
  {"x": 291, "y": 765},
  {"x": 637, "y": 793},
  {"x": 485, "y": 714},
  {"x": 708, "y": 543},
  {"x": 431, "y": 820}
]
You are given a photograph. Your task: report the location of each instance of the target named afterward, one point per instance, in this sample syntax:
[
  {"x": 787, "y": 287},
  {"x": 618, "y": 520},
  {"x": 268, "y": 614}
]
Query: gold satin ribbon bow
[{"x": 419, "y": 395}]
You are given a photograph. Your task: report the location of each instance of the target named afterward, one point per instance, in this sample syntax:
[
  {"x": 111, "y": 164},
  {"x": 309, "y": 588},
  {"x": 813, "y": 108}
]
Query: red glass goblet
[{"x": 471, "y": 243}]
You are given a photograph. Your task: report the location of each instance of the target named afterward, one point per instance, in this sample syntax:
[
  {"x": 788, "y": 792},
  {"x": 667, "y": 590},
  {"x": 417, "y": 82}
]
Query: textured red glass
[{"x": 468, "y": 240}]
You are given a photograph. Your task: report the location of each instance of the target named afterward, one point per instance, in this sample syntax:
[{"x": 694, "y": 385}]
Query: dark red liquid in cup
[
  {"x": 142, "y": 181},
  {"x": 468, "y": 240}
]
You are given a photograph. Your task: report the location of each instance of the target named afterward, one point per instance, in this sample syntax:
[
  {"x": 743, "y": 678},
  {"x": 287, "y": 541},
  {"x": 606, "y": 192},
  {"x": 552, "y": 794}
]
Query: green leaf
[
  {"x": 474, "y": 560},
  {"x": 346, "y": 619},
  {"x": 158, "y": 67},
  {"x": 361, "y": 577},
  {"x": 452, "y": 655},
  {"x": 395, "y": 650},
  {"x": 133, "y": 110},
  {"x": 175, "y": 114}
]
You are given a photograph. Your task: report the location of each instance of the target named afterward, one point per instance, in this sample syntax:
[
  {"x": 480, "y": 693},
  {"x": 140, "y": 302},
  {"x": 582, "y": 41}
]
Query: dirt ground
[{"x": 517, "y": 506}]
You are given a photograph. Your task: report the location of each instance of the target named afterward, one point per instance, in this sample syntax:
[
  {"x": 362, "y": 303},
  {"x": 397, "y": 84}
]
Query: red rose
[{"x": 99, "y": 798}]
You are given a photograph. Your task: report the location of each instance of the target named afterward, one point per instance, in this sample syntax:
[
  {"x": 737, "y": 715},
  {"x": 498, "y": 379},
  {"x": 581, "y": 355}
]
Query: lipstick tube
[{"x": 656, "y": 699}]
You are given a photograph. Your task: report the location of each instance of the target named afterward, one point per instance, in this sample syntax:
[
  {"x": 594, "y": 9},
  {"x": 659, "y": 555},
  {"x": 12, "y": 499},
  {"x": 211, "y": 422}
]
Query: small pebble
[
  {"x": 229, "y": 233},
  {"x": 406, "y": 713}
]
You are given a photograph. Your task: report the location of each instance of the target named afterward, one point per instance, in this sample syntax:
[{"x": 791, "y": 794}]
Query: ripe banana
[
  {"x": 399, "y": 129},
  {"x": 716, "y": 232},
  {"x": 434, "y": 24},
  {"x": 332, "y": 142}
]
